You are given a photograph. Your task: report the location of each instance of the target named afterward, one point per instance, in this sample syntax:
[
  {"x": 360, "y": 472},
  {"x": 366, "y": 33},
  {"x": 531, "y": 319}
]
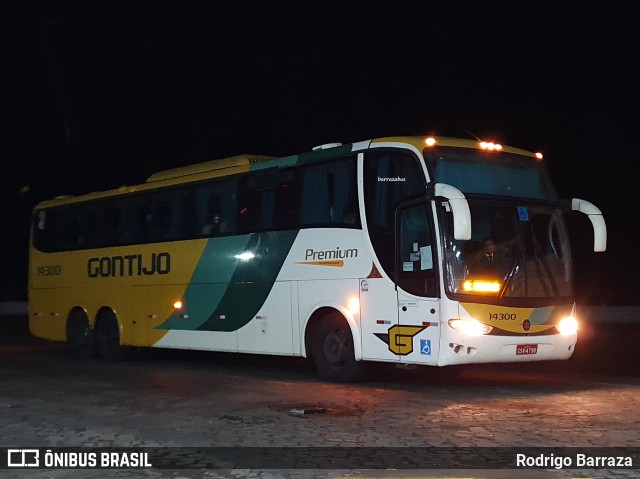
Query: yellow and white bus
[{"x": 371, "y": 251}]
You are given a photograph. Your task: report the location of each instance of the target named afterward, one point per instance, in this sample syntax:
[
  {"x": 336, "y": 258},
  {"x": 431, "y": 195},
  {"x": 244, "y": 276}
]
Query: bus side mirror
[
  {"x": 459, "y": 208},
  {"x": 597, "y": 221}
]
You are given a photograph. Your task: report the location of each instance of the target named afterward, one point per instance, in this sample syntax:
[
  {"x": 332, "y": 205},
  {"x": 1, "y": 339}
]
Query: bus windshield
[
  {"x": 490, "y": 173},
  {"x": 517, "y": 250}
]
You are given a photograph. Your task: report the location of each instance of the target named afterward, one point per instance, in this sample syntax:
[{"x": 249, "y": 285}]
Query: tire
[
  {"x": 80, "y": 337},
  {"x": 109, "y": 338},
  {"x": 332, "y": 351}
]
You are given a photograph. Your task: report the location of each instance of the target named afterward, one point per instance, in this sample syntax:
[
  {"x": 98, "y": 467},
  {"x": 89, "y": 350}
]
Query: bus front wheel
[
  {"x": 109, "y": 338},
  {"x": 80, "y": 337},
  {"x": 332, "y": 351}
]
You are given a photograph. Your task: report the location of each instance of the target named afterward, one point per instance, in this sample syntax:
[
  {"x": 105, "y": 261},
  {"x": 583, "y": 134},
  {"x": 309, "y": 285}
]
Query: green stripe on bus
[
  {"x": 209, "y": 282},
  {"x": 252, "y": 281},
  {"x": 226, "y": 291}
]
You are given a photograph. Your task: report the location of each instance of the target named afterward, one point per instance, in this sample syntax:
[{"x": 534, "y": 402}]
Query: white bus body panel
[
  {"x": 271, "y": 331},
  {"x": 379, "y": 312},
  {"x": 204, "y": 340}
]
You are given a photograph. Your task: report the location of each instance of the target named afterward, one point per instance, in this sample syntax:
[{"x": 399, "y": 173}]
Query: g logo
[{"x": 401, "y": 339}]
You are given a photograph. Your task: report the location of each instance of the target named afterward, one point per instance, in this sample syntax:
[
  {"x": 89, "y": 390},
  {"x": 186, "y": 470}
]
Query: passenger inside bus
[
  {"x": 351, "y": 218},
  {"x": 214, "y": 228}
]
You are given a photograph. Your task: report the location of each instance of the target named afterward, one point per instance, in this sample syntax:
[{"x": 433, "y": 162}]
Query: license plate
[{"x": 522, "y": 349}]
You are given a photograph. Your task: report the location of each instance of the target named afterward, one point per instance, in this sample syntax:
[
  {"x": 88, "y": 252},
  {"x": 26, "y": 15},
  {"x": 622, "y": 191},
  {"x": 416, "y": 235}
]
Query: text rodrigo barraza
[{"x": 580, "y": 460}]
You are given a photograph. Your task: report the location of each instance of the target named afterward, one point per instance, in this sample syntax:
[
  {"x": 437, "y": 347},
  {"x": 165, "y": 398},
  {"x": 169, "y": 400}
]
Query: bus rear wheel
[
  {"x": 80, "y": 337},
  {"x": 109, "y": 338},
  {"x": 332, "y": 351}
]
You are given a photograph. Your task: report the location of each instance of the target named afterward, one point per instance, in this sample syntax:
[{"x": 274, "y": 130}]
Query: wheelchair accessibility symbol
[
  {"x": 425, "y": 346},
  {"x": 523, "y": 213}
]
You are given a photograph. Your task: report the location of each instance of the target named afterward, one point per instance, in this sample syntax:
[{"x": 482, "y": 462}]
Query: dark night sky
[{"x": 99, "y": 94}]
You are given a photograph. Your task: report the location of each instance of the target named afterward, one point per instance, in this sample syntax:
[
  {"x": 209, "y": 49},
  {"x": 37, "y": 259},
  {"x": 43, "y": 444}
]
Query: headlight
[
  {"x": 567, "y": 326},
  {"x": 470, "y": 327}
]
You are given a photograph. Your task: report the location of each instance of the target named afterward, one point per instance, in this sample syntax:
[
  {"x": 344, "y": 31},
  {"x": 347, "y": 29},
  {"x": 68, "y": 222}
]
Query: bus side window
[
  {"x": 315, "y": 203},
  {"x": 68, "y": 228},
  {"x": 140, "y": 216},
  {"x": 159, "y": 220},
  {"x": 391, "y": 177},
  {"x": 266, "y": 201},
  {"x": 329, "y": 194},
  {"x": 131, "y": 222},
  {"x": 114, "y": 222},
  {"x": 214, "y": 205},
  {"x": 94, "y": 225},
  {"x": 214, "y": 224},
  {"x": 41, "y": 230},
  {"x": 285, "y": 204},
  {"x": 228, "y": 207},
  {"x": 416, "y": 252},
  {"x": 171, "y": 216},
  {"x": 185, "y": 213},
  {"x": 249, "y": 206}
]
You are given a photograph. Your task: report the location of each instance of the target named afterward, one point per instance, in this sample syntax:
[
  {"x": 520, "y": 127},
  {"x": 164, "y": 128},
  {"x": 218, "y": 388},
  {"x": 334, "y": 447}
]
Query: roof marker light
[
  {"x": 430, "y": 141},
  {"x": 488, "y": 145}
]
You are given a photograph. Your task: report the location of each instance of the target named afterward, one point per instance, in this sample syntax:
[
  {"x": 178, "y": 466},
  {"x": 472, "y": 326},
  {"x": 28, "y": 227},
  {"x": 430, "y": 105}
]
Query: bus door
[
  {"x": 378, "y": 314},
  {"x": 417, "y": 336},
  {"x": 379, "y": 303},
  {"x": 399, "y": 310}
]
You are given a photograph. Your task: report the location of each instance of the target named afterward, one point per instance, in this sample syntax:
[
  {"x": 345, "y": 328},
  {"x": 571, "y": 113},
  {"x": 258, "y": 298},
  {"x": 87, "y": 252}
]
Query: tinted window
[
  {"x": 266, "y": 201},
  {"x": 416, "y": 251},
  {"x": 391, "y": 177},
  {"x": 329, "y": 194},
  {"x": 269, "y": 199}
]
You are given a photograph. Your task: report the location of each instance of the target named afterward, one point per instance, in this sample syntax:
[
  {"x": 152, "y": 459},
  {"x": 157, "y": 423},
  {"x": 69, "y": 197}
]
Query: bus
[{"x": 345, "y": 254}]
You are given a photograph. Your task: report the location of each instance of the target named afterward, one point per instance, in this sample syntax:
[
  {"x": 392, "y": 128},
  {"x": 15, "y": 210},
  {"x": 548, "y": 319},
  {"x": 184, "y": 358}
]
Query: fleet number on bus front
[{"x": 503, "y": 316}]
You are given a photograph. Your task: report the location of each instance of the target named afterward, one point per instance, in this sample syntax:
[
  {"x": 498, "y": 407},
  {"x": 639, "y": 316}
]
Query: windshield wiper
[
  {"x": 512, "y": 271},
  {"x": 540, "y": 261}
]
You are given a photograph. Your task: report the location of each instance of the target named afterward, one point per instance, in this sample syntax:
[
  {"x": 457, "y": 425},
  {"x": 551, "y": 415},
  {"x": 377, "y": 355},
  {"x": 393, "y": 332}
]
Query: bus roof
[
  {"x": 250, "y": 162},
  {"x": 419, "y": 142},
  {"x": 184, "y": 172}
]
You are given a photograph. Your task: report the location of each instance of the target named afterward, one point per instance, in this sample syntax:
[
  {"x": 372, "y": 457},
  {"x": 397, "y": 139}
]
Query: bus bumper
[{"x": 460, "y": 349}]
